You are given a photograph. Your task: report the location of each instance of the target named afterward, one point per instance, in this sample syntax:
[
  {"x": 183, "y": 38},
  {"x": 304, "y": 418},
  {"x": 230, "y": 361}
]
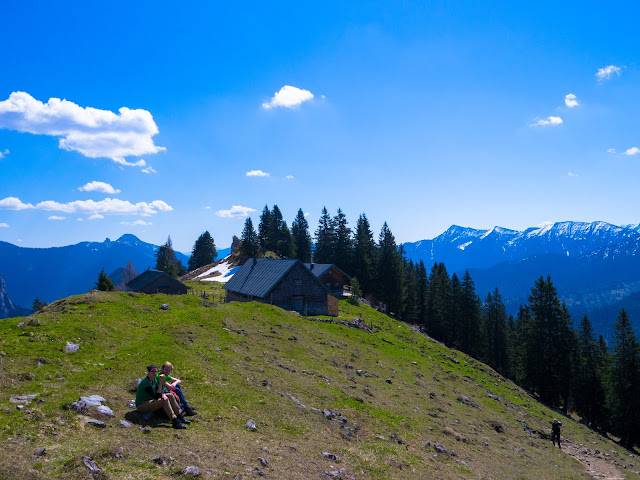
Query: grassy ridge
[{"x": 391, "y": 392}]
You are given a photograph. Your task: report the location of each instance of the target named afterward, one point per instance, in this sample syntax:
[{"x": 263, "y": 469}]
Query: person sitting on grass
[
  {"x": 149, "y": 398},
  {"x": 172, "y": 384}
]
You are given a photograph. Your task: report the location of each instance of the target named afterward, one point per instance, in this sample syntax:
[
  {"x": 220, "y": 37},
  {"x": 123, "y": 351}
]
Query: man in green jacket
[{"x": 149, "y": 398}]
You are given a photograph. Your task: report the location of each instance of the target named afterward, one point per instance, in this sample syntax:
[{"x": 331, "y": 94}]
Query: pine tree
[
  {"x": 38, "y": 304},
  {"x": 411, "y": 305},
  {"x": 364, "y": 255},
  {"x": 422, "y": 281},
  {"x": 325, "y": 235},
  {"x": 625, "y": 382},
  {"x": 277, "y": 238},
  {"x": 104, "y": 283},
  {"x": 301, "y": 237},
  {"x": 203, "y": 252},
  {"x": 471, "y": 336},
  {"x": 343, "y": 243},
  {"x": 166, "y": 260},
  {"x": 438, "y": 303},
  {"x": 455, "y": 319},
  {"x": 249, "y": 246},
  {"x": 286, "y": 246}
]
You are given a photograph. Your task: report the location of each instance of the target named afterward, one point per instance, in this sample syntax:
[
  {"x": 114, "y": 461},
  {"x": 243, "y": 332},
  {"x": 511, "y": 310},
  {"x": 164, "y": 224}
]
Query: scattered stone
[
  {"x": 103, "y": 409},
  {"x": 380, "y": 437},
  {"x": 41, "y": 451},
  {"x": 396, "y": 438},
  {"x": 388, "y": 380},
  {"x": 164, "y": 306},
  {"x": 293, "y": 337},
  {"x": 126, "y": 424},
  {"x": 330, "y": 456},
  {"x": 428, "y": 444},
  {"x": 26, "y": 376},
  {"x": 192, "y": 471},
  {"x": 96, "y": 423},
  {"x": 19, "y": 407},
  {"x": 263, "y": 461},
  {"x": 440, "y": 449},
  {"x": 26, "y": 398},
  {"x": 250, "y": 425},
  {"x": 359, "y": 372},
  {"x": 91, "y": 465},
  {"x": 145, "y": 430},
  {"x": 20, "y": 324},
  {"x": 71, "y": 347}
]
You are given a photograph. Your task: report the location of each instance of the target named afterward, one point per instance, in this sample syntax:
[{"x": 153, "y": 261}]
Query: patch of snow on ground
[
  {"x": 464, "y": 245},
  {"x": 225, "y": 270}
]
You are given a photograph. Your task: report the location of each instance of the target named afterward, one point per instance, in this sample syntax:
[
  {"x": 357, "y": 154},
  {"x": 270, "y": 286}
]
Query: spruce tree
[
  {"x": 422, "y": 282},
  {"x": 286, "y": 246},
  {"x": 249, "y": 246},
  {"x": 166, "y": 260},
  {"x": 364, "y": 255},
  {"x": 390, "y": 272},
  {"x": 343, "y": 243},
  {"x": 263, "y": 229},
  {"x": 411, "y": 305},
  {"x": 203, "y": 252},
  {"x": 325, "y": 235},
  {"x": 301, "y": 237},
  {"x": 277, "y": 240},
  {"x": 38, "y": 304},
  {"x": 625, "y": 382},
  {"x": 438, "y": 303},
  {"x": 495, "y": 324},
  {"x": 471, "y": 332},
  {"x": 104, "y": 283}
]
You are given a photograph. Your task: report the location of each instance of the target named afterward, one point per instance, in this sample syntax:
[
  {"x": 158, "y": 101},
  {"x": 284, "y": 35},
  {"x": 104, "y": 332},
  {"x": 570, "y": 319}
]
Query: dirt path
[{"x": 599, "y": 465}]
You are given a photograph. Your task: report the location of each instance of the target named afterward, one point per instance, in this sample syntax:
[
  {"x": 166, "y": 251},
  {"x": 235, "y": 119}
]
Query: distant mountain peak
[{"x": 129, "y": 239}]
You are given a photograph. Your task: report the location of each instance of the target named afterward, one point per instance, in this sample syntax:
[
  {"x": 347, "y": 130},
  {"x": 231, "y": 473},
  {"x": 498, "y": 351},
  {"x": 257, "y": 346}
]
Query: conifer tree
[
  {"x": 422, "y": 285},
  {"x": 249, "y": 246},
  {"x": 471, "y": 337},
  {"x": 411, "y": 305},
  {"x": 455, "y": 320},
  {"x": 128, "y": 274},
  {"x": 343, "y": 243},
  {"x": 263, "y": 229},
  {"x": 166, "y": 260},
  {"x": 38, "y": 304},
  {"x": 104, "y": 283},
  {"x": 286, "y": 246},
  {"x": 203, "y": 252},
  {"x": 390, "y": 272},
  {"x": 625, "y": 382},
  {"x": 364, "y": 255},
  {"x": 495, "y": 324},
  {"x": 439, "y": 303},
  {"x": 276, "y": 234},
  {"x": 325, "y": 235},
  {"x": 301, "y": 237}
]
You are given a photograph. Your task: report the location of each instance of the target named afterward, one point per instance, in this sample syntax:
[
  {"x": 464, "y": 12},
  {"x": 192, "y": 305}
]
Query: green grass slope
[{"x": 379, "y": 400}]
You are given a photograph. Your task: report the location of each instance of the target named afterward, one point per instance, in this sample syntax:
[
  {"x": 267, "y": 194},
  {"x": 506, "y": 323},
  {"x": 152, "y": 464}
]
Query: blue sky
[{"x": 166, "y": 119}]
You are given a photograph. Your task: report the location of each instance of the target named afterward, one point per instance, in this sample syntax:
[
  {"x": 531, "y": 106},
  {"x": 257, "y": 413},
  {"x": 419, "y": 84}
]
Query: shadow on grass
[{"x": 157, "y": 419}]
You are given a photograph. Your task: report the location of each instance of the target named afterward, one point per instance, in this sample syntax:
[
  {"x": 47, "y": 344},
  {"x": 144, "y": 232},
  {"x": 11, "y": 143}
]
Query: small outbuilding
[
  {"x": 331, "y": 276},
  {"x": 288, "y": 284},
  {"x": 155, "y": 281}
]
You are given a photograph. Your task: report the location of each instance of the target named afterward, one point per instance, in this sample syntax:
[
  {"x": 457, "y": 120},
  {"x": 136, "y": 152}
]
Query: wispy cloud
[
  {"x": 208, "y": 207},
  {"x": 96, "y": 216},
  {"x": 257, "y": 173},
  {"x": 4, "y": 153},
  {"x": 108, "y": 206},
  {"x": 632, "y": 151},
  {"x": 288, "y": 97},
  {"x": 571, "y": 174},
  {"x": 605, "y": 73},
  {"x": 235, "y": 211},
  {"x": 543, "y": 122},
  {"x": 90, "y": 131},
  {"x": 4, "y": 225},
  {"x": 289, "y": 177},
  {"x": 101, "y": 187},
  {"x": 611, "y": 150},
  {"x": 56, "y": 217},
  {"x": 570, "y": 100},
  {"x": 137, "y": 223},
  {"x": 149, "y": 169}
]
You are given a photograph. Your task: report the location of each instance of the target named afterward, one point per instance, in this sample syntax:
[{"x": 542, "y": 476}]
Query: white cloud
[
  {"x": 80, "y": 219},
  {"x": 307, "y": 214},
  {"x": 571, "y": 174},
  {"x": 4, "y": 154},
  {"x": 93, "y": 132},
  {"x": 149, "y": 169},
  {"x": 606, "y": 72},
  {"x": 108, "y": 206},
  {"x": 611, "y": 150},
  {"x": 98, "y": 187},
  {"x": 257, "y": 173},
  {"x": 56, "y": 217},
  {"x": 288, "y": 97},
  {"x": 207, "y": 207},
  {"x": 547, "y": 121},
  {"x": 96, "y": 216},
  {"x": 632, "y": 151},
  {"x": 137, "y": 223},
  {"x": 4, "y": 225},
  {"x": 289, "y": 177},
  {"x": 235, "y": 211},
  {"x": 570, "y": 100}
]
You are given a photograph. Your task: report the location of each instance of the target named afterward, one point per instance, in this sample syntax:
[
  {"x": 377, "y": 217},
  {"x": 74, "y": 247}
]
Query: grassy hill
[{"x": 379, "y": 400}]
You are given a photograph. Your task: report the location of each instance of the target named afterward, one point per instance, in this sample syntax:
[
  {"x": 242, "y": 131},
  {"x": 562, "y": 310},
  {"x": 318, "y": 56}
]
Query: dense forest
[{"x": 568, "y": 368}]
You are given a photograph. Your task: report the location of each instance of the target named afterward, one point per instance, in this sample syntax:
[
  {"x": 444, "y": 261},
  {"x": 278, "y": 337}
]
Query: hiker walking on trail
[
  {"x": 149, "y": 398},
  {"x": 555, "y": 432}
]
